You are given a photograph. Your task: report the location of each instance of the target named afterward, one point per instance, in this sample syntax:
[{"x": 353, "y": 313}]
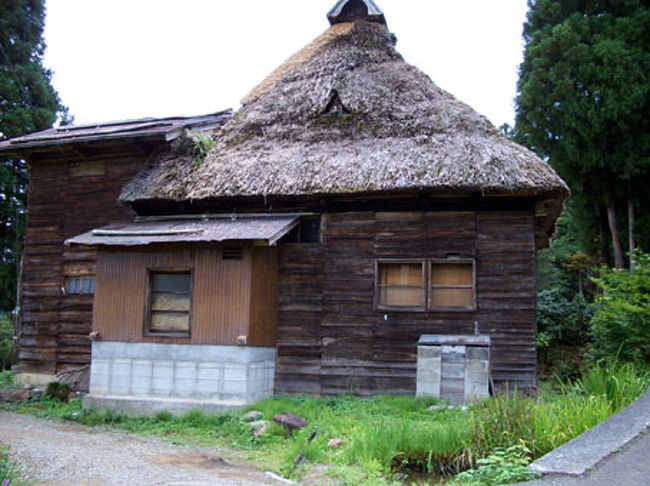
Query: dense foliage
[
  {"x": 621, "y": 320},
  {"x": 584, "y": 95},
  {"x": 28, "y": 103}
]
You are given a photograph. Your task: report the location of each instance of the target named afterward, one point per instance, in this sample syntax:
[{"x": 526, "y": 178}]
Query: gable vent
[{"x": 232, "y": 253}]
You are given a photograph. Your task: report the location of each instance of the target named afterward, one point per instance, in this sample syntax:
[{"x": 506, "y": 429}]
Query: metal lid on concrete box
[{"x": 453, "y": 340}]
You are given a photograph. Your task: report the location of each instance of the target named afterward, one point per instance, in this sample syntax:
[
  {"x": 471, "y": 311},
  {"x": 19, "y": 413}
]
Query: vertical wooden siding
[
  {"x": 230, "y": 298},
  {"x": 66, "y": 197},
  {"x": 342, "y": 345}
]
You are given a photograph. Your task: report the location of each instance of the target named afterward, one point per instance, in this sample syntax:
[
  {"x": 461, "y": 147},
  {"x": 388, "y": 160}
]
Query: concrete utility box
[{"x": 454, "y": 368}]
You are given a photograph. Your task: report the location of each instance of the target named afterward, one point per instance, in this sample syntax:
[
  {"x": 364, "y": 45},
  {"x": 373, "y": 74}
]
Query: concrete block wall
[
  {"x": 192, "y": 372},
  {"x": 453, "y": 368}
]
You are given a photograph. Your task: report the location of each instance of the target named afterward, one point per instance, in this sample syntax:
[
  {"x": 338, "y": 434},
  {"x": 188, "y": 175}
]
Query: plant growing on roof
[{"x": 202, "y": 145}]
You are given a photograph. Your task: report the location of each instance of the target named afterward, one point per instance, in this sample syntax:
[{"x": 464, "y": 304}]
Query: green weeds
[
  {"x": 8, "y": 473},
  {"x": 385, "y": 436},
  {"x": 503, "y": 466}
]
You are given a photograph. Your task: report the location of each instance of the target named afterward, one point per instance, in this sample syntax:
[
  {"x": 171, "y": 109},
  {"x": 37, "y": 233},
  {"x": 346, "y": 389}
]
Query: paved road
[
  {"x": 628, "y": 467},
  {"x": 57, "y": 454}
]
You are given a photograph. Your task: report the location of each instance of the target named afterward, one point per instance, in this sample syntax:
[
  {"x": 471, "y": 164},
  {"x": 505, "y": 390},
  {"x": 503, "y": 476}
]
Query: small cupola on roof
[{"x": 351, "y": 10}]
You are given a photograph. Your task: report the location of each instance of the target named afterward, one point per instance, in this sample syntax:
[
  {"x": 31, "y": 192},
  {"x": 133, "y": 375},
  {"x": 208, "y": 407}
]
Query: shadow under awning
[{"x": 261, "y": 229}]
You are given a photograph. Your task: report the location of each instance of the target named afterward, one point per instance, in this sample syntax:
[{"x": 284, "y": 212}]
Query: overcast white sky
[{"x": 123, "y": 59}]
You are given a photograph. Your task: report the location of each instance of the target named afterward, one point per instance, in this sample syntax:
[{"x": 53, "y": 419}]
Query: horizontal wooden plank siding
[
  {"x": 300, "y": 309},
  {"x": 341, "y": 344},
  {"x": 70, "y": 192}
]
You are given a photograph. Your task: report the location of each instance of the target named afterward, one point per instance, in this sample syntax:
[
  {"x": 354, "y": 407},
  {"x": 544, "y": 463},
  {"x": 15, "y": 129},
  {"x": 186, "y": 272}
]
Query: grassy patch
[
  {"x": 8, "y": 473},
  {"x": 386, "y": 436}
]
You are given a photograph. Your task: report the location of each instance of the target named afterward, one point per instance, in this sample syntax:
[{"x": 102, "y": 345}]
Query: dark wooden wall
[
  {"x": 70, "y": 192},
  {"x": 227, "y": 301},
  {"x": 332, "y": 341}
]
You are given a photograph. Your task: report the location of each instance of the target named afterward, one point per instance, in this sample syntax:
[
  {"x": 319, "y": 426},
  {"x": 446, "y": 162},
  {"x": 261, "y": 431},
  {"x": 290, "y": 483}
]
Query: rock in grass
[
  {"x": 260, "y": 427},
  {"x": 252, "y": 415},
  {"x": 290, "y": 421},
  {"x": 435, "y": 408},
  {"x": 257, "y": 423},
  {"x": 335, "y": 443}
]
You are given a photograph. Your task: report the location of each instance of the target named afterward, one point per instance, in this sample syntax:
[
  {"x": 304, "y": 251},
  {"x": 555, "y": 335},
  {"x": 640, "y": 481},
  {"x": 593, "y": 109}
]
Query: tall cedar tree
[
  {"x": 584, "y": 98},
  {"x": 28, "y": 103}
]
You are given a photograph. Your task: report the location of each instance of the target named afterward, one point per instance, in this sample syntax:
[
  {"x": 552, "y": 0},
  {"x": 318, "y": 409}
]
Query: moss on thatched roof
[{"x": 348, "y": 115}]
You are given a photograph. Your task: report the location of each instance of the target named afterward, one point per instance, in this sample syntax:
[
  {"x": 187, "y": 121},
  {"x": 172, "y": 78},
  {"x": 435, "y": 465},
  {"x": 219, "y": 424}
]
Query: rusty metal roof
[
  {"x": 162, "y": 128},
  {"x": 264, "y": 229}
]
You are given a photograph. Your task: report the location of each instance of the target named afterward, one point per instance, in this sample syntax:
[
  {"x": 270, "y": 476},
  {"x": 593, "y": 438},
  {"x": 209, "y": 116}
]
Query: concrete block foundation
[{"x": 147, "y": 378}]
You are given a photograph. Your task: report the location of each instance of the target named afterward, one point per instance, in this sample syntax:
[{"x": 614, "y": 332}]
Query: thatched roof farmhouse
[{"x": 353, "y": 228}]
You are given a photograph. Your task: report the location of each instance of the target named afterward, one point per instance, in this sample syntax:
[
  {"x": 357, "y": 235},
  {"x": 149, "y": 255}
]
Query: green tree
[
  {"x": 28, "y": 103},
  {"x": 583, "y": 99}
]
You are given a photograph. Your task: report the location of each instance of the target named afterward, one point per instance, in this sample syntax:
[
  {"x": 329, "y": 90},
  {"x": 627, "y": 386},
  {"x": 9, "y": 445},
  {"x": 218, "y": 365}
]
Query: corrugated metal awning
[{"x": 264, "y": 229}]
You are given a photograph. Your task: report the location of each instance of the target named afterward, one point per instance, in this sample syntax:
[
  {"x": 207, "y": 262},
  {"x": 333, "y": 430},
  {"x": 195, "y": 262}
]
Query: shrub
[
  {"x": 7, "y": 350},
  {"x": 7, "y": 380},
  {"x": 562, "y": 319},
  {"x": 620, "y": 326},
  {"x": 57, "y": 391}
]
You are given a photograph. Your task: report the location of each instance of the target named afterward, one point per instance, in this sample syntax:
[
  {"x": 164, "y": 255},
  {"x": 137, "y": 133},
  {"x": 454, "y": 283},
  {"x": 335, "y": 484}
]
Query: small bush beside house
[{"x": 621, "y": 321}]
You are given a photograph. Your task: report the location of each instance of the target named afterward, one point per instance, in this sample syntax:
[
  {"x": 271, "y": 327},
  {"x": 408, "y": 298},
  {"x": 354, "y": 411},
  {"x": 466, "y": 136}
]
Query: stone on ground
[{"x": 290, "y": 421}]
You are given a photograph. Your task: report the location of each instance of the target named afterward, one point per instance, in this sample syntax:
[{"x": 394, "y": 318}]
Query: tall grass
[
  {"x": 555, "y": 417},
  {"x": 429, "y": 446}
]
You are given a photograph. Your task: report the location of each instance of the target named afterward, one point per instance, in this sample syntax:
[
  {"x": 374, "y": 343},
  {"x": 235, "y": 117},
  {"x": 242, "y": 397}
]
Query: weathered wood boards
[
  {"x": 70, "y": 192},
  {"x": 230, "y": 298},
  {"x": 331, "y": 338}
]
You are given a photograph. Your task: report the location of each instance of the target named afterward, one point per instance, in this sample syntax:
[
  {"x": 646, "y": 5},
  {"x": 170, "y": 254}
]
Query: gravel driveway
[{"x": 59, "y": 453}]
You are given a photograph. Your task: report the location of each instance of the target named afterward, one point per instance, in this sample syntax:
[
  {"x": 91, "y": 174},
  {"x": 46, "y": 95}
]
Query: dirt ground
[{"x": 53, "y": 453}]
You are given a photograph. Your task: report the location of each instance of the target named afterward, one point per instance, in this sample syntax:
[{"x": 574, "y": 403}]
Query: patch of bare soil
[{"x": 55, "y": 454}]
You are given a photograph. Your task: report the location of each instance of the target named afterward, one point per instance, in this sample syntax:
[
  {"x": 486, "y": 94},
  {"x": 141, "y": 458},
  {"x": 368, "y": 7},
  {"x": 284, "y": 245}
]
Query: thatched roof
[{"x": 348, "y": 115}]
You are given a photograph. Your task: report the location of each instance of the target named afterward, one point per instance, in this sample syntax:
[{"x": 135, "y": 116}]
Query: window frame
[
  {"x": 451, "y": 261},
  {"x": 427, "y": 272},
  {"x": 397, "y": 261},
  {"x": 147, "y": 332},
  {"x": 80, "y": 278}
]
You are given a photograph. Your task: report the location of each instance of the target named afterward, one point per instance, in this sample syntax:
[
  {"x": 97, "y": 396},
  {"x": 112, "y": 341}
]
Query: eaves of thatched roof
[{"x": 348, "y": 115}]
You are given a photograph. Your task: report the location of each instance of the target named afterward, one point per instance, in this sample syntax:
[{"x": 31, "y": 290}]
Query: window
[
  {"x": 420, "y": 285},
  {"x": 79, "y": 285},
  {"x": 306, "y": 231},
  {"x": 400, "y": 284},
  {"x": 452, "y": 285},
  {"x": 170, "y": 295}
]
